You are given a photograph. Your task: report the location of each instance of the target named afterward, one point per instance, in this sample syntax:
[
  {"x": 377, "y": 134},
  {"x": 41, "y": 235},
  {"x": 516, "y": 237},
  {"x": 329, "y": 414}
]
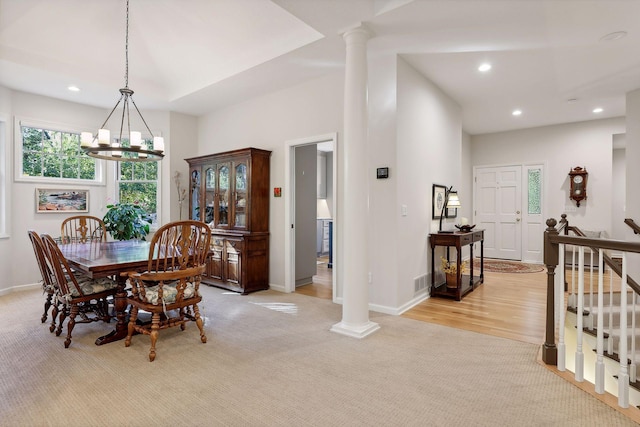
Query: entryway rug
[{"x": 504, "y": 266}]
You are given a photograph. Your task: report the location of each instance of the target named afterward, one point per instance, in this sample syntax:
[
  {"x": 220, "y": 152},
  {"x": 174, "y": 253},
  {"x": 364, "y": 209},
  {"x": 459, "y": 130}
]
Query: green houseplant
[{"x": 126, "y": 221}]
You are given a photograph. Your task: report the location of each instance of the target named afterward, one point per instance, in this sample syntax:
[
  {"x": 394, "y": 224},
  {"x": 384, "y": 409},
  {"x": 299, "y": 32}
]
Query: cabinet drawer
[{"x": 465, "y": 240}]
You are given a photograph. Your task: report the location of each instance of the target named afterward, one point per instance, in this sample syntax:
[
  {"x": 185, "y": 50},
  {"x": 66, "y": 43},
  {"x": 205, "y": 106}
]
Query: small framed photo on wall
[{"x": 438, "y": 194}]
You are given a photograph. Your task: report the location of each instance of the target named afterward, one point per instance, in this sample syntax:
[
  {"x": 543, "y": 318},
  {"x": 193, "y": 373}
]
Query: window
[
  {"x": 534, "y": 184},
  {"x": 54, "y": 154},
  {"x": 138, "y": 183}
]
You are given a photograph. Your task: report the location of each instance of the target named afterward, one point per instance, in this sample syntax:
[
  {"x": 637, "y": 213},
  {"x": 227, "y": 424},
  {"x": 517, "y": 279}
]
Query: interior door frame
[
  {"x": 290, "y": 205},
  {"x": 526, "y": 254}
]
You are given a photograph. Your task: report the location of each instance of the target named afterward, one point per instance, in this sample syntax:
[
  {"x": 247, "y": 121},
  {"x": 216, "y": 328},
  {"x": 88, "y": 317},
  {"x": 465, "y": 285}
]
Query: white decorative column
[{"x": 354, "y": 192}]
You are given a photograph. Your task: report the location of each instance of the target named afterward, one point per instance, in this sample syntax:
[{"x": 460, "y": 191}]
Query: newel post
[{"x": 549, "y": 349}]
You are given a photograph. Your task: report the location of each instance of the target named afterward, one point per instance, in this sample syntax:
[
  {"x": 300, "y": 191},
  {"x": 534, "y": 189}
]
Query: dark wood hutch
[{"x": 230, "y": 192}]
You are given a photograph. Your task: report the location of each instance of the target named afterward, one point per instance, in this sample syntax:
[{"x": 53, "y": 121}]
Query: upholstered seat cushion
[
  {"x": 169, "y": 293},
  {"x": 91, "y": 286}
]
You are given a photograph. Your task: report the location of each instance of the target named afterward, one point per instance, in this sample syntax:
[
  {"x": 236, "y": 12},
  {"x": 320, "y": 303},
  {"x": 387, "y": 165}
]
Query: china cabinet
[{"x": 230, "y": 192}]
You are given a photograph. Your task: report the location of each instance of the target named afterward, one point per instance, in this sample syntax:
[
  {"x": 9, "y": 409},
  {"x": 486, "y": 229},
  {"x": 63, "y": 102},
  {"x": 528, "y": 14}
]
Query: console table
[{"x": 465, "y": 282}]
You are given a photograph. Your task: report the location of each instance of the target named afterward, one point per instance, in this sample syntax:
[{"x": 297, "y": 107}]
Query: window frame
[
  {"x": 158, "y": 181},
  {"x": 100, "y": 179}
]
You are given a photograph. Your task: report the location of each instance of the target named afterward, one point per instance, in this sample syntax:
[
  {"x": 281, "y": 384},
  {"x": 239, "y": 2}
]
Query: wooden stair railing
[
  {"x": 555, "y": 355},
  {"x": 631, "y": 223},
  {"x": 609, "y": 262}
]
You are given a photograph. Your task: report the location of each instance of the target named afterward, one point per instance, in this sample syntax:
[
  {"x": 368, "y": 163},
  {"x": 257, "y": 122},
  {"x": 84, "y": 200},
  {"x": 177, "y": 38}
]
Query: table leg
[{"x": 120, "y": 305}]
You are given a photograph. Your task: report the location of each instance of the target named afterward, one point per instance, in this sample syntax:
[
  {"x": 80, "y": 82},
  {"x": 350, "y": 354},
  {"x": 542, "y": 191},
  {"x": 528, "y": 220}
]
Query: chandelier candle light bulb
[
  {"x": 86, "y": 138},
  {"x": 116, "y": 153},
  {"x": 158, "y": 144},
  {"x": 135, "y": 139},
  {"x": 103, "y": 137}
]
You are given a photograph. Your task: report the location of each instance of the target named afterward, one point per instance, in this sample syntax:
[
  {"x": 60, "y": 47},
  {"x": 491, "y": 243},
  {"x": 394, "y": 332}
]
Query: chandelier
[{"x": 99, "y": 145}]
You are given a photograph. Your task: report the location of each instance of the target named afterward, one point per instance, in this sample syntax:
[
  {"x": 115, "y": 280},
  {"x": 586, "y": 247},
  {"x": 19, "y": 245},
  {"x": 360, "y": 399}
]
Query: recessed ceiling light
[
  {"x": 517, "y": 112},
  {"x": 484, "y": 67},
  {"x": 613, "y": 36},
  {"x": 73, "y": 88},
  {"x": 598, "y": 110}
]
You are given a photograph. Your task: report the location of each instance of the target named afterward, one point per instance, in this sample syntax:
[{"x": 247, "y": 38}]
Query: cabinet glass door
[
  {"x": 240, "y": 196},
  {"x": 210, "y": 192},
  {"x": 222, "y": 213},
  {"x": 195, "y": 194}
]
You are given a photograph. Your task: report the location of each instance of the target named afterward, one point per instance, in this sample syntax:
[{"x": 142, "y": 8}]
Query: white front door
[{"x": 498, "y": 210}]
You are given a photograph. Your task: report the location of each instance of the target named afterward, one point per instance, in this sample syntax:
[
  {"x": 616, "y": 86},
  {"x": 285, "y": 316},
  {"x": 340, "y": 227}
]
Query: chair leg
[
  {"x": 71, "y": 324},
  {"x": 200, "y": 323},
  {"x": 47, "y": 305},
  {"x": 54, "y": 316},
  {"x": 63, "y": 315},
  {"x": 155, "y": 326},
  {"x": 133, "y": 316}
]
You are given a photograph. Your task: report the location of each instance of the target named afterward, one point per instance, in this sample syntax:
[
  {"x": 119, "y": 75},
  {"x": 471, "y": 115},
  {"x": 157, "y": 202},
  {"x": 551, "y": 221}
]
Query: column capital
[{"x": 359, "y": 32}]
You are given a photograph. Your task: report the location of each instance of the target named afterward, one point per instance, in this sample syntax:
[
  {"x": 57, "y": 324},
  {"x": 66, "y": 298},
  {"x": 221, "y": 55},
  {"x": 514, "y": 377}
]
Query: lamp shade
[
  {"x": 453, "y": 201},
  {"x": 323, "y": 211}
]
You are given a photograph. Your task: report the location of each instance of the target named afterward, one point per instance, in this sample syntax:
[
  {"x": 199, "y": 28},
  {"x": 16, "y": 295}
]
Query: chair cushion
[
  {"x": 169, "y": 293},
  {"x": 92, "y": 286}
]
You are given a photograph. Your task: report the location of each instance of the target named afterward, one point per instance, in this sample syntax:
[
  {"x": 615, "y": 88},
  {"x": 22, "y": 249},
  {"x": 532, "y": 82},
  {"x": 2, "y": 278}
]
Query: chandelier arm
[
  {"x": 111, "y": 113},
  {"x": 140, "y": 114}
]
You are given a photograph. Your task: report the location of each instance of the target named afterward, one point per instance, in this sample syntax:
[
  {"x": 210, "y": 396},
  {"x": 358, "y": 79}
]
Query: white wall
[
  {"x": 561, "y": 147},
  {"x": 384, "y": 205},
  {"x": 429, "y": 150},
  {"x": 618, "y": 194},
  {"x": 266, "y": 122},
  {"x": 184, "y": 135}
]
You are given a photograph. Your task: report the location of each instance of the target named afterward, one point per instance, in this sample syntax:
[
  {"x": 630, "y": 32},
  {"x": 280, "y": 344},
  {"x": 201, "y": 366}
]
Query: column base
[{"x": 355, "y": 331}]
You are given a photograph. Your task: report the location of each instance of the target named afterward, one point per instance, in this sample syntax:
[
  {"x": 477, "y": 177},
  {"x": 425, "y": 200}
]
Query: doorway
[
  {"x": 301, "y": 223},
  {"x": 508, "y": 205}
]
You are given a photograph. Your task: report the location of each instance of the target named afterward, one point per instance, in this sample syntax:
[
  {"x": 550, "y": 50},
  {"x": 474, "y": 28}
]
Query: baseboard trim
[{"x": 20, "y": 288}]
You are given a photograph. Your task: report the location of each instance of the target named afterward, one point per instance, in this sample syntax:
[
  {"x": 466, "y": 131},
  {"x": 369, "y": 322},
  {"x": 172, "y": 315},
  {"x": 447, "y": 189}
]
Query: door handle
[
  {"x": 518, "y": 212},
  {"x": 517, "y": 219}
]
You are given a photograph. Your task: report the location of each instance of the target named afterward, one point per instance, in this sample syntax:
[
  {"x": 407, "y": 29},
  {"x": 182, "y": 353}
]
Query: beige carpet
[{"x": 270, "y": 360}]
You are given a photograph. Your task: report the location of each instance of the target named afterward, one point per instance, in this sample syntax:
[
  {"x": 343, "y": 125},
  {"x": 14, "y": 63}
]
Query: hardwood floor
[
  {"x": 506, "y": 305},
  {"x": 322, "y": 286}
]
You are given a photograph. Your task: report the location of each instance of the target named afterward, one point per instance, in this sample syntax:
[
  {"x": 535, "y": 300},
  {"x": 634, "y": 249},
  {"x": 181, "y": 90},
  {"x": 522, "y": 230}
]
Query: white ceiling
[{"x": 194, "y": 56}]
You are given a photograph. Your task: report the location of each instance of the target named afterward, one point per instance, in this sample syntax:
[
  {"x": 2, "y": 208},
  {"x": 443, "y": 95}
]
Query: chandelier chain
[{"x": 126, "y": 51}]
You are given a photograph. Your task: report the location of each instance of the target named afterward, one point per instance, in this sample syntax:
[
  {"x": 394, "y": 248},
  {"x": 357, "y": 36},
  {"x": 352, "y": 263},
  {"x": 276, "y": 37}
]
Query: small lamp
[{"x": 451, "y": 200}]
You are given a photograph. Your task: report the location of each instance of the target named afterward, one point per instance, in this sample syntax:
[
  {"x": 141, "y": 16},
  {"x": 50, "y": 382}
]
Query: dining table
[{"x": 106, "y": 259}]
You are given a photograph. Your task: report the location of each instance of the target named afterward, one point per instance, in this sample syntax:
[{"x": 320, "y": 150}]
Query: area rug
[{"x": 502, "y": 266}]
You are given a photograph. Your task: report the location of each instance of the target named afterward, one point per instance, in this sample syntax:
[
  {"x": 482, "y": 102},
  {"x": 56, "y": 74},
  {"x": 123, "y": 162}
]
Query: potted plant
[
  {"x": 126, "y": 221},
  {"x": 450, "y": 270}
]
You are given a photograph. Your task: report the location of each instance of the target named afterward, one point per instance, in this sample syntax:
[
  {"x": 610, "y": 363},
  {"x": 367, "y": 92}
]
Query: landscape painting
[{"x": 61, "y": 201}]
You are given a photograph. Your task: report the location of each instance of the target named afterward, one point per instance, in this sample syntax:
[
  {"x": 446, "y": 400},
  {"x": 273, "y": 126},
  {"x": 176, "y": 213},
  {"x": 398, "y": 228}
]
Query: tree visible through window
[
  {"x": 138, "y": 183},
  {"x": 55, "y": 154}
]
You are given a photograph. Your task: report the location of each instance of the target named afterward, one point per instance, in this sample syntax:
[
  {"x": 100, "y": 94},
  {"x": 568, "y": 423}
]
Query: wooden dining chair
[
  {"x": 48, "y": 279},
  {"x": 169, "y": 289},
  {"x": 78, "y": 295},
  {"x": 82, "y": 229}
]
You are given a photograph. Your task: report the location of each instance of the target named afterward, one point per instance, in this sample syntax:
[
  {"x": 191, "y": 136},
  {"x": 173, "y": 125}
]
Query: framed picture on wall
[
  {"x": 451, "y": 213},
  {"x": 438, "y": 195},
  {"x": 61, "y": 201}
]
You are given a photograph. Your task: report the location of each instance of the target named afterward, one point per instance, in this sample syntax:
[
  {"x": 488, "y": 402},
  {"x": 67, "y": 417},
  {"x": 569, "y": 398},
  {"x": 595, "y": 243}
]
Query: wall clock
[{"x": 578, "y": 177}]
